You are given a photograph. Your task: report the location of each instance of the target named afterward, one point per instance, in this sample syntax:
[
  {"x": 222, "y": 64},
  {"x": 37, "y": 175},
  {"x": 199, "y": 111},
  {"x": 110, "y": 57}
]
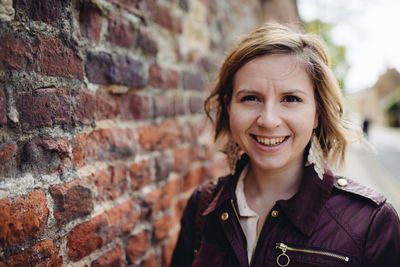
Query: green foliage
[{"x": 339, "y": 64}]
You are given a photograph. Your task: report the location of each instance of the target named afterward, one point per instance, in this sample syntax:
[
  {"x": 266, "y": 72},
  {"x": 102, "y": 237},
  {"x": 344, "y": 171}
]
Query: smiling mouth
[{"x": 269, "y": 141}]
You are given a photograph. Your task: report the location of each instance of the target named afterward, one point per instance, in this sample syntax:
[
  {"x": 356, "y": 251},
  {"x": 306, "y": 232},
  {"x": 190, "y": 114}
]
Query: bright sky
[{"x": 370, "y": 29}]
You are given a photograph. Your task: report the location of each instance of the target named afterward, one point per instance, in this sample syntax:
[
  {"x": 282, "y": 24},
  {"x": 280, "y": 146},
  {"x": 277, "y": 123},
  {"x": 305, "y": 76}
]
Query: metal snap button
[
  {"x": 274, "y": 213},
  {"x": 224, "y": 216},
  {"x": 342, "y": 182}
]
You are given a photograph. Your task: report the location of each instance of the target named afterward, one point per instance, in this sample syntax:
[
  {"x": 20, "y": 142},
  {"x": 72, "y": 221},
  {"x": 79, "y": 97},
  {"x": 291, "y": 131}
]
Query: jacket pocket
[
  {"x": 209, "y": 255},
  {"x": 309, "y": 256}
]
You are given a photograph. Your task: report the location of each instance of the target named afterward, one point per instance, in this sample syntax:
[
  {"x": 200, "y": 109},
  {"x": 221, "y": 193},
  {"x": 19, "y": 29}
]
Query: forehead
[{"x": 279, "y": 69}]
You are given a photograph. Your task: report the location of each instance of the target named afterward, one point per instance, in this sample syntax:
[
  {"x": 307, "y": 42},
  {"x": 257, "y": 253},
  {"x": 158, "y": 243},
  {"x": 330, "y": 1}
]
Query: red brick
[
  {"x": 23, "y": 219},
  {"x": 134, "y": 107},
  {"x": 193, "y": 178},
  {"x": 6, "y": 153},
  {"x": 163, "y": 78},
  {"x": 150, "y": 261},
  {"x": 147, "y": 43},
  {"x": 161, "y": 198},
  {"x": 148, "y": 136},
  {"x": 196, "y": 104},
  {"x": 163, "y": 166},
  {"x": 178, "y": 210},
  {"x": 112, "y": 258},
  {"x": 41, "y": 254},
  {"x": 16, "y": 54},
  {"x": 120, "y": 31},
  {"x": 168, "y": 249},
  {"x": 140, "y": 174},
  {"x": 179, "y": 104},
  {"x": 84, "y": 105},
  {"x": 111, "y": 183},
  {"x": 169, "y": 132},
  {"x": 3, "y": 106},
  {"x": 107, "y": 105},
  {"x": 44, "y": 155},
  {"x": 100, "y": 230},
  {"x": 162, "y": 227},
  {"x": 183, "y": 158},
  {"x": 44, "y": 107},
  {"x": 130, "y": 5},
  {"x": 48, "y": 11},
  {"x": 90, "y": 22},
  {"x": 164, "y": 18},
  {"x": 103, "y": 144},
  {"x": 72, "y": 201},
  {"x": 137, "y": 246},
  {"x": 58, "y": 60}
]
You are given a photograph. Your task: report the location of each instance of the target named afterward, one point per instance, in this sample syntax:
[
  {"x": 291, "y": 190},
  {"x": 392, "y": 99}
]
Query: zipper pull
[{"x": 283, "y": 259}]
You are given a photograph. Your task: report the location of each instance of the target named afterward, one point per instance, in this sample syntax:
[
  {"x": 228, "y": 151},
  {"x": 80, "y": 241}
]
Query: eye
[
  {"x": 291, "y": 98},
  {"x": 249, "y": 98}
]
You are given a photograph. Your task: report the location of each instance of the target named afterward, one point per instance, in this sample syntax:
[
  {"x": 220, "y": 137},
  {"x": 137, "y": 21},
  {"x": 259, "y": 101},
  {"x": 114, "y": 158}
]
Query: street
[{"x": 377, "y": 167}]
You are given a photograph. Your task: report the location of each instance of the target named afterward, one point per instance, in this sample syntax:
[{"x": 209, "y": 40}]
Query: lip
[{"x": 269, "y": 148}]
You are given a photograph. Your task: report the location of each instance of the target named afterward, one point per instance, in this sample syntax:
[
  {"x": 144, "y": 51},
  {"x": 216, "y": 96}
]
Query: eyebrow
[{"x": 290, "y": 91}]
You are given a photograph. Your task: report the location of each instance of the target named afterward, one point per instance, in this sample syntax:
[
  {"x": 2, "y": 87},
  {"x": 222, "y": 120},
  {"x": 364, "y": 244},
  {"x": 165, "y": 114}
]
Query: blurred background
[{"x": 361, "y": 35}]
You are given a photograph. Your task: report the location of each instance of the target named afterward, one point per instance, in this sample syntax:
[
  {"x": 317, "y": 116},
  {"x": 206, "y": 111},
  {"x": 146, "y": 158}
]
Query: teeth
[{"x": 270, "y": 141}]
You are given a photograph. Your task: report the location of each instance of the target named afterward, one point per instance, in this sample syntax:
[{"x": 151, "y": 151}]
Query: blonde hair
[{"x": 333, "y": 132}]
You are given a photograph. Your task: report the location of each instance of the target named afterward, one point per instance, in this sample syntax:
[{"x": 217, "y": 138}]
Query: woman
[{"x": 280, "y": 109}]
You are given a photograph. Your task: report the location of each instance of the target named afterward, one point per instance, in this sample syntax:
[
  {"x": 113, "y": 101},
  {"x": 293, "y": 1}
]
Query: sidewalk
[{"x": 363, "y": 167}]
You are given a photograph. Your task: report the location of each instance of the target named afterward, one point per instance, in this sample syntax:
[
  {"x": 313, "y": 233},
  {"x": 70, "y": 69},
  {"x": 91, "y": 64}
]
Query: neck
[{"x": 282, "y": 183}]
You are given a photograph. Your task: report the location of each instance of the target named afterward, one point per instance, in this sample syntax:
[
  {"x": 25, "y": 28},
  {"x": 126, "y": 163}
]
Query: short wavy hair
[{"x": 334, "y": 132}]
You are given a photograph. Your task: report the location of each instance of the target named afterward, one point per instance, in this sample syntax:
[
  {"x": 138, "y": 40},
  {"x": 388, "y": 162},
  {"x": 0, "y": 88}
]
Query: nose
[{"x": 269, "y": 117}]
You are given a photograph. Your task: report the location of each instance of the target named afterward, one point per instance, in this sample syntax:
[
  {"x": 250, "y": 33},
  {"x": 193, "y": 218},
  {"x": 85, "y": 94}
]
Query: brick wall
[{"x": 102, "y": 136}]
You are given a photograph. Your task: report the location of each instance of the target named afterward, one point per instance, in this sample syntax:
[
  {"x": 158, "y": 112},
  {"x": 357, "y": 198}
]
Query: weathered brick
[
  {"x": 102, "y": 68},
  {"x": 103, "y": 144},
  {"x": 23, "y": 219},
  {"x": 184, "y": 5},
  {"x": 192, "y": 81},
  {"x": 183, "y": 158},
  {"x": 130, "y": 5},
  {"x": 107, "y": 105},
  {"x": 161, "y": 198},
  {"x": 163, "y": 78},
  {"x": 196, "y": 104},
  {"x": 164, "y": 18},
  {"x": 41, "y": 254},
  {"x": 72, "y": 201},
  {"x": 178, "y": 210},
  {"x": 44, "y": 107},
  {"x": 84, "y": 105},
  {"x": 3, "y": 107},
  {"x": 147, "y": 43},
  {"x": 140, "y": 174},
  {"x": 6, "y": 153},
  {"x": 137, "y": 246},
  {"x": 90, "y": 22},
  {"x": 120, "y": 31},
  {"x": 170, "y": 134},
  {"x": 134, "y": 107},
  {"x": 163, "y": 106},
  {"x": 179, "y": 104},
  {"x": 44, "y": 156},
  {"x": 112, "y": 258},
  {"x": 56, "y": 59},
  {"x": 193, "y": 178},
  {"x": 162, "y": 227},
  {"x": 168, "y": 249},
  {"x": 100, "y": 230},
  {"x": 150, "y": 261},
  {"x": 16, "y": 54},
  {"x": 112, "y": 182},
  {"x": 148, "y": 136},
  {"x": 163, "y": 166},
  {"x": 44, "y": 10}
]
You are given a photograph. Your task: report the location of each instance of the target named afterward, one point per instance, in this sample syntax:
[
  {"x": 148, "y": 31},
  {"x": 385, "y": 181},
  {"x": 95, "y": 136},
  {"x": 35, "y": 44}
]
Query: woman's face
[{"x": 272, "y": 112}]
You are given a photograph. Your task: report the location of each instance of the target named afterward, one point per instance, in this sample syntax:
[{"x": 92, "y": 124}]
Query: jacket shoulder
[{"x": 358, "y": 191}]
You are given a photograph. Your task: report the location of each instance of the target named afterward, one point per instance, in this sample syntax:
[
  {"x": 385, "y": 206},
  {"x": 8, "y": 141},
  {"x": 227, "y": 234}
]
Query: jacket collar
[{"x": 303, "y": 209}]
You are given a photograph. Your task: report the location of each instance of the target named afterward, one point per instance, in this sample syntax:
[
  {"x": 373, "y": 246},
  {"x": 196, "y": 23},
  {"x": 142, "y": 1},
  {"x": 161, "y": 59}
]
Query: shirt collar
[{"x": 303, "y": 209}]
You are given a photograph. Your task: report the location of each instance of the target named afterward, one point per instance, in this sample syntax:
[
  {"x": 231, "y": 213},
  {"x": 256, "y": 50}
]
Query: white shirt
[{"x": 248, "y": 218}]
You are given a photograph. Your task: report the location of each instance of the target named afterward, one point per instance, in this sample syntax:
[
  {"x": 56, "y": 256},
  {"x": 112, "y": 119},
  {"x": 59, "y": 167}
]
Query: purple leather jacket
[{"x": 329, "y": 222}]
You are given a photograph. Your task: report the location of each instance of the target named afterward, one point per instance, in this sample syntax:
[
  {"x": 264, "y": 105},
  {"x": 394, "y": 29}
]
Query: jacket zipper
[
  {"x": 283, "y": 257},
  {"x": 237, "y": 217}
]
